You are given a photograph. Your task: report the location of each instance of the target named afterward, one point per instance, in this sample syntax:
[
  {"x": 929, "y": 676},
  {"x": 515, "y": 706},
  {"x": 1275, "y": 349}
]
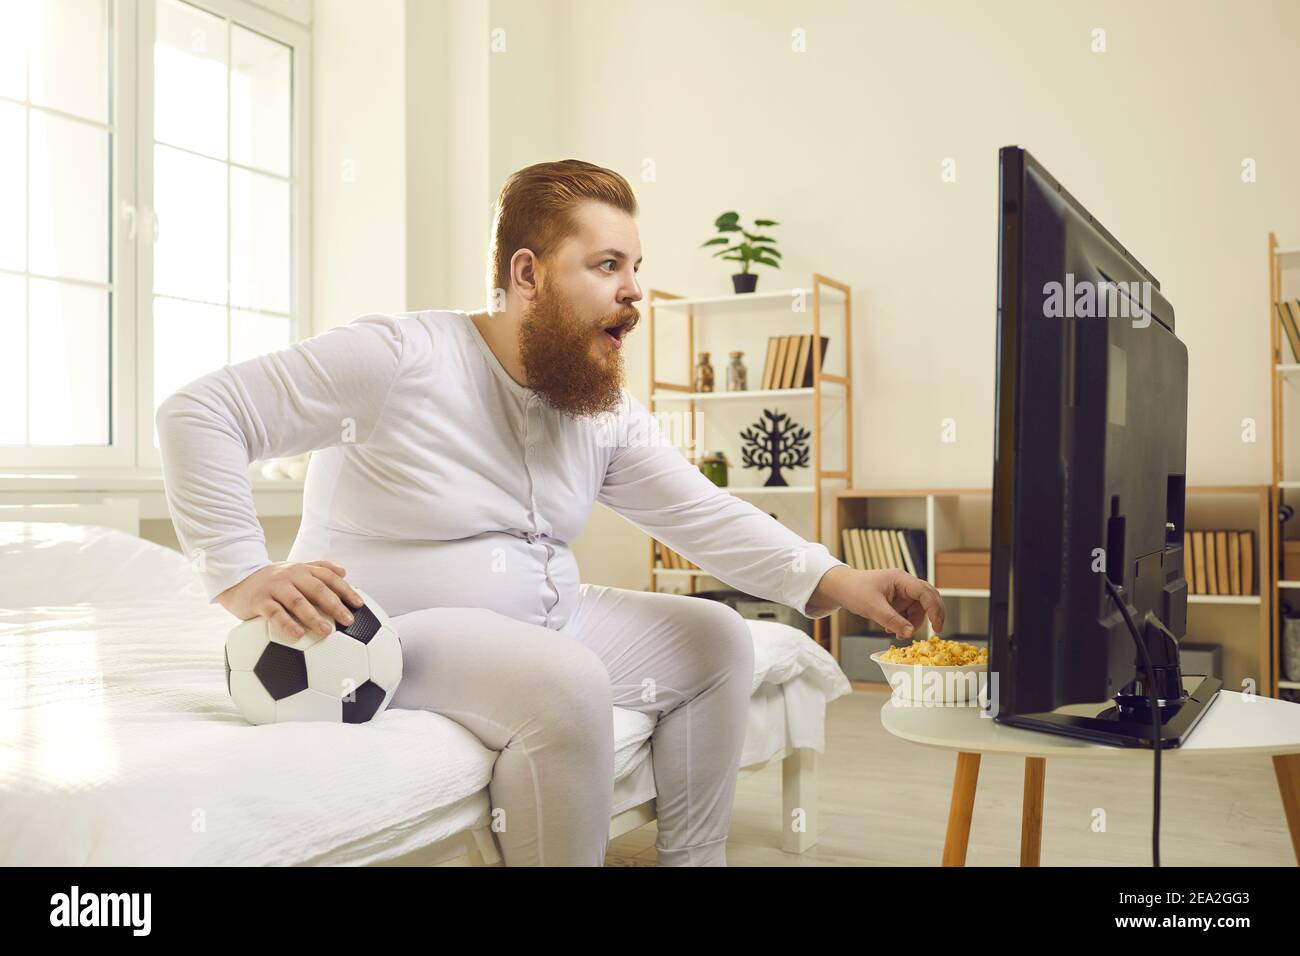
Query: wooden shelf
[
  {"x": 747, "y": 302},
  {"x": 1282, "y": 373},
  {"x": 805, "y": 306},
  {"x": 764, "y": 394}
]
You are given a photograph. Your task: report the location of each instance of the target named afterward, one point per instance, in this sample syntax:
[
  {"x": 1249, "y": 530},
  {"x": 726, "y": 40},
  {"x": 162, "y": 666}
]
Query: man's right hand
[{"x": 295, "y": 597}]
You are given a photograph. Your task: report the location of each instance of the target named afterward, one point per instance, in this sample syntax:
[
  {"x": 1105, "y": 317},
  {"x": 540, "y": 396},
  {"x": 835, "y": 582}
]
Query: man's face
[{"x": 573, "y": 332}]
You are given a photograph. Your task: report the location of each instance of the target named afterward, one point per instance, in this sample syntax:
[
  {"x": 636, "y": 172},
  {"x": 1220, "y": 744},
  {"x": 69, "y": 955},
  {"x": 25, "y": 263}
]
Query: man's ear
[{"x": 525, "y": 274}]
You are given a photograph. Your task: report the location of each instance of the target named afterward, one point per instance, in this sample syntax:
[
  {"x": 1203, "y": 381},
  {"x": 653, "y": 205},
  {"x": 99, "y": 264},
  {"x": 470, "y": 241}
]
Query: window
[
  {"x": 222, "y": 179},
  {"x": 201, "y": 106},
  {"x": 56, "y": 281}
]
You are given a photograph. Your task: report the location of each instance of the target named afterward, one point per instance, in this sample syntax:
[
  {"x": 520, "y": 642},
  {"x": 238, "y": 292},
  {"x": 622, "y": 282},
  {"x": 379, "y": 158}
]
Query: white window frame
[
  {"x": 130, "y": 452},
  {"x": 298, "y": 37},
  {"x": 120, "y": 451}
]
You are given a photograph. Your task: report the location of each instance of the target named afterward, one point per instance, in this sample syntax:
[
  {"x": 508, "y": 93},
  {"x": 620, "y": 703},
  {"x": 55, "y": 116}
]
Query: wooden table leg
[
  {"x": 1031, "y": 816},
  {"x": 1287, "y": 768},
  {"x": 961, "y": 808}
]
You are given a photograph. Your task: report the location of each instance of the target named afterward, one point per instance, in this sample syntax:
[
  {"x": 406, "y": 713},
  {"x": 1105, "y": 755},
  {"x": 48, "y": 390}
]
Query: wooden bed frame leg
[
  {"x": 1031, "y": 816},
  {"x": 961, "y": 809},
  {"x": 799, "y": 792},
  {"x": 1287, "y": 768}
]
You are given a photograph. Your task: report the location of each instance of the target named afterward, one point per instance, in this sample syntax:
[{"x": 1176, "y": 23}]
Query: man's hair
[{"x": 533, "y": 210}]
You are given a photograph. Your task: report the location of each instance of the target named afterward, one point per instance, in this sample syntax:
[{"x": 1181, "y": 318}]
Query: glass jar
[
  {"x": 737, "y": 374},
  {"x": 714, "y": 467},
  {"x": 704, "y": 374}
]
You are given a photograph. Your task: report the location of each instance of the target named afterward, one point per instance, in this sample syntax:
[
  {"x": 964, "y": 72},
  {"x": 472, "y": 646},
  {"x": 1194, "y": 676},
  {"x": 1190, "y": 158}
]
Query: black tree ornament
[{"x": 776, "y": 445}]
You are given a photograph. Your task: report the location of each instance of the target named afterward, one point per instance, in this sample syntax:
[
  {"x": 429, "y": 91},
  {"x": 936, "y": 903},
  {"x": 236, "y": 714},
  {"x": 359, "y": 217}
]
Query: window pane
[
  {"x": 259, "y": 101},
  {"x": 68, "y": 164},
  {"x": 190, "y": 196},
  {"x": 190, "y": 79},
  {"x": 188, "y": 341},
  {"x": 15, "y": 17},
  {"x": 253, "y": 334},
  {"x": 259, "y": 241},
  {"x": 68, "y": 326},
  {"x": 13, "y": 187},
  {"x": 69, "y": 56},
  {"x": 13, "y": 360}
]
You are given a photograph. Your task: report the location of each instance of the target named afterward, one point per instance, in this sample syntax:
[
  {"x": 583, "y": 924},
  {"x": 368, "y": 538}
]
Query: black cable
[{"x": 1155, "y": 714}]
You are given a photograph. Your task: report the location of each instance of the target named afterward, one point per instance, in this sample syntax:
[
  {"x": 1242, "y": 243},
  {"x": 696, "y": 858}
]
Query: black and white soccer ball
[{"x": 348, "y": 676}]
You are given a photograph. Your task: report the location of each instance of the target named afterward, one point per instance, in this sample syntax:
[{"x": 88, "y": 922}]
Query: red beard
[{"x": 555, "y": 348}]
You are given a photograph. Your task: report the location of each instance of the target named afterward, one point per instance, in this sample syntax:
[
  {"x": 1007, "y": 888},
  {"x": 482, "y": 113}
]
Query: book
[
  {"x": 1198, "y": 562},
  {"x": 882, "y": 545},
  {"x": 859, "y": 552},
  {"x": 1211, "y": 566},
  {"x": 778, "y": 361},
  {"x": 906, "y": 555},
  {"x": 801, "y": 359},
  {"x": 859, "y": 543},
  {"x": 915, "y": 540},
  {"x": 896, "y": 555},
  {"x": 1234, "y": 561},
  {"x": 791, "y": 358},
  {"x": 806, "y": 377},
  {"x": 886, "y": 554},
  {"x": 876, "y": 559},
  {"x": 1248, "y": 563},
  {"x": 1290, "y": 320},
  {"x": 846, "y": 549},
  {"x": 770, "y": 362},
  {"x": 1221, "y": 555}
]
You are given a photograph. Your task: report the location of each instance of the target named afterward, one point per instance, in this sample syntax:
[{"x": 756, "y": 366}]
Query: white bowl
[{"x": 962, "y": 685}]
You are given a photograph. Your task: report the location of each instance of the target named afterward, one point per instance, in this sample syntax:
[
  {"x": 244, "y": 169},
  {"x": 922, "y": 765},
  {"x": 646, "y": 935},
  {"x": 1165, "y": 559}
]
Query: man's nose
[{"x": 631, "y": 293}]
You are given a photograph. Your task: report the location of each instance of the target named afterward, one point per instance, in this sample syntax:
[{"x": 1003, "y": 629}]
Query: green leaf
[
  {"x": 729, "y": 249},
  {"x": 764, "y": 260},
  {"x": 727, "y": 218},
  {"x": 715, "y": 241},
  {"x": 766, "y": 222},
  {"x": 729, "y": 227},
  {"x": 759, "y": 238},
  {"x": 735, "y": 258},
  {"x": 770, "y": 251}
]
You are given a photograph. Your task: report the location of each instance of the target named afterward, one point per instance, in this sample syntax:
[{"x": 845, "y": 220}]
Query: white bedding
[{"x": 119, "y": 744}]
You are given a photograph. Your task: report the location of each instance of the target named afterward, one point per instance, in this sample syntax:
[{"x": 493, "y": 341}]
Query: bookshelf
[
  {"x": 954, "y": 518},
  {"x": 1284, "y": 375},
  {"x": 720, "y": 324}
]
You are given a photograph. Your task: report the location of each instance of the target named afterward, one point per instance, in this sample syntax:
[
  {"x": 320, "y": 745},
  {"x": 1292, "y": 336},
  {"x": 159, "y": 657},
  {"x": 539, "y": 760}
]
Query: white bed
[{"x": 119, "y": 744}]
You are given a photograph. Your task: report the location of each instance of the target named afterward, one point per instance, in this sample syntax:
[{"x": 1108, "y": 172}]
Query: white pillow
[{"x": 51, "y": 563}]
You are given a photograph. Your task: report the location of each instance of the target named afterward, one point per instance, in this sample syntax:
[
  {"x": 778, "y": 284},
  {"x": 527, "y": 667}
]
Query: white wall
[
  {"x": 358, "y": 159},
  {"x": 844, "y": 143}
]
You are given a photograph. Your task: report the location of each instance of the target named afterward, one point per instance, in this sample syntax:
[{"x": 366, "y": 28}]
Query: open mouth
[{"x": 616, "y": 332}]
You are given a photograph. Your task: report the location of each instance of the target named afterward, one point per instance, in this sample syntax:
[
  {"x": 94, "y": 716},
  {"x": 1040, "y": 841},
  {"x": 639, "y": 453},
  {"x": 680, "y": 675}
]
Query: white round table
[{"x": 1235, "y": 723}]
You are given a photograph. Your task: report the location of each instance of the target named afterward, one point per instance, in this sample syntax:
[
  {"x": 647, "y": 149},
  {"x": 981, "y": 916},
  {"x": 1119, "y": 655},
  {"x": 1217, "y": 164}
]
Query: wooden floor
[{"x": 884, "y": 802}]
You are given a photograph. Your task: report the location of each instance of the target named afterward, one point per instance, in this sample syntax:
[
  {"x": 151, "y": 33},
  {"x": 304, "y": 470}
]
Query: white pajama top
[{"x": 437, "y": 480}]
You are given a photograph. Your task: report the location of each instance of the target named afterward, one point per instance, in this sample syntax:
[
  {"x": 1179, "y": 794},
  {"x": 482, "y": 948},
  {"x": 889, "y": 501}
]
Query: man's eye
[{"x": 611, "y": 261}]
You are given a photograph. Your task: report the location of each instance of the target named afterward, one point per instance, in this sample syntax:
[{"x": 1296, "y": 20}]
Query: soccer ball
[{"x": 348, "y": 676}]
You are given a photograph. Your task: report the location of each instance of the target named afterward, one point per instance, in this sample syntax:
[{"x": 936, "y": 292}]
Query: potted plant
[{"x": 755, "y": 247}]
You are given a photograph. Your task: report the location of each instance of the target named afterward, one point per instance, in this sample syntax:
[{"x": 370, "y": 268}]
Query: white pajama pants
[{"x": 543, "y": 697}]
